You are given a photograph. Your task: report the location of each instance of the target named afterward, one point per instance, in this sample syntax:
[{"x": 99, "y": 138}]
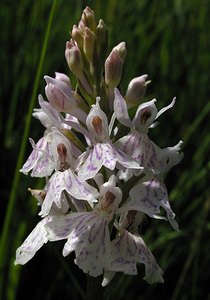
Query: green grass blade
[{"x": 11, "y": 203}]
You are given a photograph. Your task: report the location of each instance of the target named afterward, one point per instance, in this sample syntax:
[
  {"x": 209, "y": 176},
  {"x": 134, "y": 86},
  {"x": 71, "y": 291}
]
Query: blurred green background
[{"x": 170, "y": 41}]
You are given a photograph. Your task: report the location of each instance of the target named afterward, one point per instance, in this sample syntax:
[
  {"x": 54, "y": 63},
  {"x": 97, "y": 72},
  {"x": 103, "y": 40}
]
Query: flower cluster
[{"x": 103, "y": 173}]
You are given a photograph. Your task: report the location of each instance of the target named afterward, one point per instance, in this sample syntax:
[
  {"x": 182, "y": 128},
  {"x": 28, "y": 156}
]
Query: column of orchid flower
[{"x": 103, "y": 172}]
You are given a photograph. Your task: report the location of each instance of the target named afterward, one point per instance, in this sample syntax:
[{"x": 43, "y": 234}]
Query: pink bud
[
  {"x": 113, "y": 69},
  {"x": 88, "y": 18},
  {"x": 59, "y": 93},
  {"x": 136, "y": 90},
  {"x": 74, "y": 58},
  {"x": 89, "y": 44},
  {"x": 121, "y": 48},
  {"x": 78, "y": 35},
  {"x": 102, "y": 40}
]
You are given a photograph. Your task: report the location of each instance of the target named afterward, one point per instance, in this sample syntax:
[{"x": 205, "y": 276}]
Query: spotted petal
[
  {"x": 40, "y": 160},
  {"x": 148, "y": 197},
  {"x": 70, "y": 182},
  {"x": 90, "y": 162},
  {"x": 120, "y": 109},
  {"x": 36, "y": 239},
  {"x": 88, "y": 236},
  {"x": 127, "y": 250}
]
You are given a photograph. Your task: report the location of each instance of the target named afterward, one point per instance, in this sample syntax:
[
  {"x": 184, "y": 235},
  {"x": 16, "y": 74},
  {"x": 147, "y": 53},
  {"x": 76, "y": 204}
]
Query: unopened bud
[
  {"x": 59, "y": 93},
  {"x": 81, "y": 25},
  {"x": 63, "y": 78},
  {"x": 113, "y": 69},
  {"x": 121, "y": 48},
  {"x": 102, "y": 39},
  {"x": 77, "y": 35},
  {"x": 88, "y": 18},
  {"x": 74, "y": 58},
  {"x": 89, "y": 44},
  {"x": 136, "y": 90}
]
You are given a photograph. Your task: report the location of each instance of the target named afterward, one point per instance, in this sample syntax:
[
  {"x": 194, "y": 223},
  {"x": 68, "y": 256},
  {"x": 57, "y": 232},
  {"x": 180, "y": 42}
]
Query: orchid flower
[
  {"x": 88, "y": 232},
  {"x": 137, "y": 143},
  {"x": 64, "y": 178},
  {"x": 61, "y": 96},
  {"x": 128, "y": 249},
  {"x": 38, "y": 237},
  {"x": 102, "y": 152},
  {"x": 83, "y": 159},
  {"x": 148, "y": 196},
  {"x": 40, "y": 161}
]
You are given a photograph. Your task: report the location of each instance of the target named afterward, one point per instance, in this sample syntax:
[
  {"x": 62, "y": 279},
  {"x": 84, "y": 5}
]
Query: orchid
[
  {"x": 102, "y": 152},
  {"x": 87, "y": 233},
  {"x": 103, "y": 173},
  {"x": 137, "y": 143},
  {"x": 64, "y": 178}
]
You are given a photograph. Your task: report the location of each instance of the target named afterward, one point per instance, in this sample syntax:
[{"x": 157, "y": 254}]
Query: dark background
[{"x": 170, "y": 41}]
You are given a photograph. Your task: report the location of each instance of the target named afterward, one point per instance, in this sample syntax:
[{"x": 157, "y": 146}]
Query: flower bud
[
  {"x": 102, "y": 39},
  {"x": 59, "y": 93},
  {"x": 136, "y": 90},
  {"x": 121, "y": 48},
  {"x": 113, "y": 69},
  {"x": 74, "y": 58},
  {"x": 89, "y": 44},
  {"x": 77, "y": 35},
  {"x": 81, "y": 25},
  {"x": 88, "y": 18}
]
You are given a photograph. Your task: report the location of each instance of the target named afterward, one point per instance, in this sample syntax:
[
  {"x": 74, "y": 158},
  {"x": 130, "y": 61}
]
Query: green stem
[{"x": 11, "y": 205}]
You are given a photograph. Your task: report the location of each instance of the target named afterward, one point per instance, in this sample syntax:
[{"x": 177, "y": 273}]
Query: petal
[
  {"x": 126, "y": 161},
  {"x": 109, "y": 156},
  {"x": 78, "y": 188},
  {"x": 128, "y": 250},
  {"x": 74, "y": 123},
  {"x": 55, "y": 188},
  {"x": 120, "y": 109},
  {"x": 39, "y": 114},
  {"x": 59, "y": 138},
  {"x": 148, "y": 196},
  {"x": 91, "y": 243},
  {"x": 36, "y": 239},
  {"x": 52, "y": 113},
  {"x": 131, "y": 144},
  {"x": 108, "y": 276},
  {"x": 145, "y": 115},
  {"x": 91, "y": 162},
  {"x": 166, "y": 108},
  {"x": 103, "y": 133},
  {"x": 169, "y": 157},
  {"x": 40, "y": 160},
  {"x": 61, "y": 227}
]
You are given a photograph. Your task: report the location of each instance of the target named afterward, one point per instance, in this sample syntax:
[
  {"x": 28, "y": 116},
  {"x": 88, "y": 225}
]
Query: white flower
[
  {"x": 40, "y": 161},
  {"x": 137, "y": 143},
  {"x": 64, "y": 178},
  {"x": 88, "y": 232},
  {"x": 148, "y": 196},
  {"x": 102, "y": 152},
  {"x": 39, "y": 236},
  {"x": 126, "y": 251}
]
